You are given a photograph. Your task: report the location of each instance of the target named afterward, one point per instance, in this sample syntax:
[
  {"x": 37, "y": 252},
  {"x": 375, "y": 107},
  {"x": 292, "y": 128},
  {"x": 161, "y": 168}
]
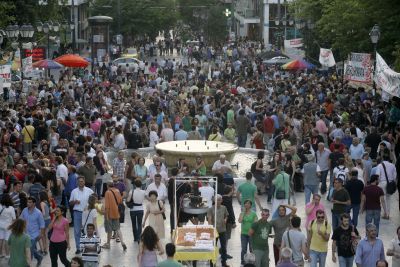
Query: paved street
[{"x": 117, "y": 258}]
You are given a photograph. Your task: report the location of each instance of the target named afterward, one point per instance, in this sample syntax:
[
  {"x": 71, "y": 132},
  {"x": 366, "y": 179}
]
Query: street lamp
[
  {"x": 48, "y": 27},
  {"x": 13, "y": 32},
  {"x": 374, "y": 34}
]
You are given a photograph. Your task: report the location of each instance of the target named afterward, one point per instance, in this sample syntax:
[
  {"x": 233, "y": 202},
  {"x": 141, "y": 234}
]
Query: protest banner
[
  {"x": 386, "y": 78},
  {"x": 358, "y": 68},
  {"x": 326, "y": 57}
]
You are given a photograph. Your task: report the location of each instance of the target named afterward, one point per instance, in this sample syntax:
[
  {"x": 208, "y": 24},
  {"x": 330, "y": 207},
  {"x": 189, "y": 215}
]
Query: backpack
[
  {"x": 313, "y": 221},
  {"x": 341, "y": 174},
  {"x": 271, "y": 145}
]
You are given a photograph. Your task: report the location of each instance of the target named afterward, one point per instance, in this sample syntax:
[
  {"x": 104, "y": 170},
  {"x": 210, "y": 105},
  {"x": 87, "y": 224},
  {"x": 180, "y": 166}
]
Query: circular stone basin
[{"x": 190, "y": 149}]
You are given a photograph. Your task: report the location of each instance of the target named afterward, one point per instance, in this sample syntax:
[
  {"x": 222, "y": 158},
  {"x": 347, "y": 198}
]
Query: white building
[{"x": 255, "y": 19}]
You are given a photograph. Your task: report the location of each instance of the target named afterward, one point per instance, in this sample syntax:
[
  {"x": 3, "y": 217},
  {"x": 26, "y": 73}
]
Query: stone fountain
[{"x": 190, "y": 149}]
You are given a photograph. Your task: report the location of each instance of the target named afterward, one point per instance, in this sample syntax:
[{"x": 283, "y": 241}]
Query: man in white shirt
[
  {"x": 159, "y": 187},
  {"x": 61, "y": 171},
  {"x": 119, "y": 142},
  {"x": 222, "y": 166},
  {"x": 389, "y": 175},
  {"x": 207, "y": 192},
  {"x": 79, "y": 200}
]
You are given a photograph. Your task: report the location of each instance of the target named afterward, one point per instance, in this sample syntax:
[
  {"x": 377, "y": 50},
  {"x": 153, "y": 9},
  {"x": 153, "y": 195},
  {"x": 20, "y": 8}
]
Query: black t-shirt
[
  {"x": 343, "y": 241},
  {"x": 334, "y": 157},
  {"x": 354, "y": 187},
  {"x": 341, "y": 195}
]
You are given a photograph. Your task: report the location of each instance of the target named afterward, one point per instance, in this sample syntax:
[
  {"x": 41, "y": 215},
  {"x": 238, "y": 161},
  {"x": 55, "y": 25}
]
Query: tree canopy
[{"x": 344, "y": 25}]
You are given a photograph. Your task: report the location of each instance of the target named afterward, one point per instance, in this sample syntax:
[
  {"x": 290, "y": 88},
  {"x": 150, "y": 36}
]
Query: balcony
[{"x": 248, "y": 13}]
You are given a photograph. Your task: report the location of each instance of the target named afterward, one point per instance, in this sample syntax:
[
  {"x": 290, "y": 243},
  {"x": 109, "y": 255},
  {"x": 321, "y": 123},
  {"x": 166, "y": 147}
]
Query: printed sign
[
  {"x": 358, "y": 68},
  {"x": 5, "y": 73},
  {"x": 326, "y": 58},
  {"x": 37, "y": 53}
]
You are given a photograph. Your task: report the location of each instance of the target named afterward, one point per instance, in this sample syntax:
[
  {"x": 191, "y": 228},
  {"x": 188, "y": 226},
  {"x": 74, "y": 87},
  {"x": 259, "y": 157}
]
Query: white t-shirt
[
  {"x": 88, "y": 216},
  {"x": 161, "y": 191},
  {"x": 207, "y": 192},
  {"x": 7, "y": 216},
  {"x": 153, "y": 138},
  {"x": 138, "y": 198},
  {"x": 62, "y": 172}
]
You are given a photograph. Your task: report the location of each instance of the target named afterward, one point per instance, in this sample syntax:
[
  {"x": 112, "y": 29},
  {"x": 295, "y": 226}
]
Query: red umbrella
[{"x": 73, "y": 61}]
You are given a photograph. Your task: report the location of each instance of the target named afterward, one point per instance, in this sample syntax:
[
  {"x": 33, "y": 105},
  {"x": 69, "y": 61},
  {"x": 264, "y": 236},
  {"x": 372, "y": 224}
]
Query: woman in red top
[{"x": 59, "y": 239}]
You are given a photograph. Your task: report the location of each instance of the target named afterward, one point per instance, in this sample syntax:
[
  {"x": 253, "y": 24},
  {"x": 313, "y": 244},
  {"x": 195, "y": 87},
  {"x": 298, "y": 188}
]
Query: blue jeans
[
  {"x": 34, "y": 252},
  {"x": 324, "y": 175},
  {"x": 245, "y": 240},
  {"x": 97, "y": 187},
  {"x": 242, "y": 140},
  {"x": 335, "y": 220},
  {"x": 136, "y": 218},
  {"x": 356, "y": 211},
  {"x": 308, "y": 190},
  {"x": 346, "y": 262},
  {"x": 77, "y": 228},
  {"x": 375, "y": 216},
  {"x": 317, "y": 256}
]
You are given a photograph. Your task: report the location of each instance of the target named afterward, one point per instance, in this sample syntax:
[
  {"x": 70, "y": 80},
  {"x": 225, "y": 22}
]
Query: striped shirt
[{"x": 90, "y": 247}]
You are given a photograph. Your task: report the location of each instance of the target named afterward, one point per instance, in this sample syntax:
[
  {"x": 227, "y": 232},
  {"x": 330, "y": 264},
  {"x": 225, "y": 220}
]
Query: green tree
[
  {"x": 138, "y": 17},
  {"x": 344, "y": 25}
]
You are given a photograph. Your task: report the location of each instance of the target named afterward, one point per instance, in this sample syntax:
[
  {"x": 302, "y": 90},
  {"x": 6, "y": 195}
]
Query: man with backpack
[
  {"x": 339, "y": 172},
  {"x": 319, "y": 232}
]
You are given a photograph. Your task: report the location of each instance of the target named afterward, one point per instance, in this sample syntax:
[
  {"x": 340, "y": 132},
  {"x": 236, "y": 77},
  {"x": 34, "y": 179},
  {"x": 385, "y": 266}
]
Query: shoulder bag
[
  {"x": 159, "y": 206},
  {"x": 121, "y": 209},
  {"x": 84, "y": 225},
  {"x": 281, "y": 193},
  {"x": 390, "y": 185},
  {"x": 290, "y": 244}
]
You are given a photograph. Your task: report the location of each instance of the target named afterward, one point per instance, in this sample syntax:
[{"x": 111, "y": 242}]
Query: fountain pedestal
[{"x": 190, "y": 149}]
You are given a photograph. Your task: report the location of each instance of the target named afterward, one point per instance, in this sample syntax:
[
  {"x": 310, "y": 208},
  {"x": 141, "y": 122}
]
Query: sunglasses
[{"x": 320, "y": 217}]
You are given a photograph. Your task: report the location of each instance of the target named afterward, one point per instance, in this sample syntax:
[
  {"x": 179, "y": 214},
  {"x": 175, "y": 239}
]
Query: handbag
[
  {"x": 391, "y": 186},
  {"x": 281, "y": 194},
  {"x": 84, "y": 225},
  {"x": 121, "y": 209},
  {"x": 130, "y": 203},
  {"x": 163, "y": 214}
]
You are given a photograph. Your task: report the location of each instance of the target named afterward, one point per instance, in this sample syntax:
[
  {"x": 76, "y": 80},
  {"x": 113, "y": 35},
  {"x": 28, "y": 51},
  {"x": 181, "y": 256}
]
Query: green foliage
[
  {"x": 138, "y": 17},
  {"x": 205, "y": 16},
  {"x": 344, "y": 25}
]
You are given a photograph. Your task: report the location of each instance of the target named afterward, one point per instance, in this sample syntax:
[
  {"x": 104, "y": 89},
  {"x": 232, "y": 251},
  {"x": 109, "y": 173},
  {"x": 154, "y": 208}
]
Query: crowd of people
[{"x": 325, "y": 137}]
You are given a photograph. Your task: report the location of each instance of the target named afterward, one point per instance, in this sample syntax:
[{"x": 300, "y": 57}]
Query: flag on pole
[{"x": 326, "y": 58}]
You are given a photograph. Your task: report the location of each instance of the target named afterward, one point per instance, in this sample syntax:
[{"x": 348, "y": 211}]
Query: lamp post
[
  {"x": 13, "y": 32},
  {"x": 228, "y": 13},
  {"x": 309, "y": 25},
  {"x": 48, "y": 27},
  {"x": 374, "y": 34}
]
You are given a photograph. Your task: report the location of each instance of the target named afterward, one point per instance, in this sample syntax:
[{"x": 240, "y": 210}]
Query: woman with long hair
[
  {"x": 154, "y": 211},
  {"x": 101, "y": 167},
  {"x": 149, "y": 243},
  {"x": 20, "y": 244},
  {"x": 136, "y": 197},
  {"x": 141, "y": 171},
  {"x": 290, "y": 168},
  {"x": 89, "y": 215},
  {"x": 59, "y": 239},
  {"x": 45, "y": 209},
  {"x": 247, "y": 217},
  {"x": 7, "y": 216}
]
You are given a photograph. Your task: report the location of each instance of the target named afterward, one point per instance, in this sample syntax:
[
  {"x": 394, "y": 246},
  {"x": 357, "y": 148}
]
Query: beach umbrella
[
  {"x": 73, "y": 61},
  {"x": 47, "y": 64},
  {"x": 298, "y": 65}
]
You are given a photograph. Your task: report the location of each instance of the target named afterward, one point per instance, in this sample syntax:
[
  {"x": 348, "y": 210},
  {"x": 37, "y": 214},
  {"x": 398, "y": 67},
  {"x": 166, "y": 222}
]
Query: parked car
[{"x": 122, "y": 61}]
